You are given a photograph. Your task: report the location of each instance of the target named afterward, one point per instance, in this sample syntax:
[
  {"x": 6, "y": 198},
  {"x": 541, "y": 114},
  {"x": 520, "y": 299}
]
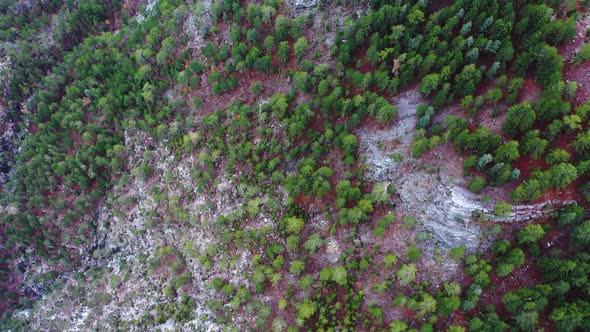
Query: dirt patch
[{"x": 530, "y": 91}]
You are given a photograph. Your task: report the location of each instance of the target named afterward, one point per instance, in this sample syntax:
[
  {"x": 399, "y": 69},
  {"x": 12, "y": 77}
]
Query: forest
[{"x": 207, "y": 165}]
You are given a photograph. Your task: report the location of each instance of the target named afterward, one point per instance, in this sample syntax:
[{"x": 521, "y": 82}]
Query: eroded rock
[
  {"x": 303, "y": 4},
  {"x": 443, "y": 206},
  {"x": 434, "y": 191},
  {"x": 446, "y": 211}
]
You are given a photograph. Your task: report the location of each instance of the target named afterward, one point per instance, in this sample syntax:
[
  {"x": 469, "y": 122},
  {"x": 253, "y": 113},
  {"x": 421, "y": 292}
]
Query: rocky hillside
[{"x": 294, "y": 165}]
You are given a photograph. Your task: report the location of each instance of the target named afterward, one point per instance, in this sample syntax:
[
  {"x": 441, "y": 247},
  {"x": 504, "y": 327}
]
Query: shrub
[
  {"x": 390, "y": 260},
  {"x": 458, "y": 253},
  {"x": 407, "y": 274},
  {"x": 410, "y": 222},
  {"x": 339, "y": 275},
  {"x": 313, "y": 243},
  {"x": 477, "y": 184},
  {"x": 502, "y": 209},
  {"x": 413, "y": 253},
  {"x": 297, "y": 267},
  {"x": 530, "y": 234},
  {"x": 306, "y": 282},
  {"x": 420, "y": 146},
  {"x": 582, "y": 55},
  {"x": 256, "y": 88}
]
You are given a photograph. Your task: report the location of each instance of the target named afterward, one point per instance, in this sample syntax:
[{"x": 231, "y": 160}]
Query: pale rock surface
[
  {"x": 303, "y": 4},
  {"x": 430, "y": 192}
]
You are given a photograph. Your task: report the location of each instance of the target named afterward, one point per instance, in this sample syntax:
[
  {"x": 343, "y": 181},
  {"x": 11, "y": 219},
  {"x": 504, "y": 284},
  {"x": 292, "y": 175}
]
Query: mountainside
[{"x": 294, "y": 165}]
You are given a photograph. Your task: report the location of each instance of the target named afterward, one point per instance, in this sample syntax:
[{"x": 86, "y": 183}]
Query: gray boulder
[{"x": 303, "y": 4}]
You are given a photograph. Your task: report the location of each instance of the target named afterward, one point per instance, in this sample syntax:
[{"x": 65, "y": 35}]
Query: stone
[{"x": 303, "y": 4}]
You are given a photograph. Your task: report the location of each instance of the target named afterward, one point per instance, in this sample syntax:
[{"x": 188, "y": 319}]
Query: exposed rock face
[
  {"x": 446, "y": 211},
  {"x": 529, "y": 212},
  {"x": 303, "y": 4},
  {"x": 444, "y": 207},
  {"x": 430, "y": 191},
  {"x": 195, "y": 26},
  {"x": 333, "y": 250}
]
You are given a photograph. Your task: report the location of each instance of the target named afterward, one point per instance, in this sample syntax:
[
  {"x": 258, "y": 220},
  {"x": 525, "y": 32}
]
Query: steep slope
[{"x": 296, "y": 165}]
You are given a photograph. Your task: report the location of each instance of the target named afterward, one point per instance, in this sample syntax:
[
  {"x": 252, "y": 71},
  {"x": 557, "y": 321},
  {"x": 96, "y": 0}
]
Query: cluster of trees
[
  {"x": 442, "y": 49},
  {"x": 297, "y": 157},
  {"x": 557, "y": 176},
  {"x": 489, "y": 153},
  {"x": 32, "y": 57},
  {"x": 101, "y": 87},
  {"x": 259, "y": 155},
  {"x": 258, "y": 35},
  {"x": 446, "y": 55},
  {"x": 532, "y": 128},
  {"x": 552, "y": 112},
  {"x": 564, "y": 271},
  {"x": 110, "y": 83},
  {"x": 446, "y": 74},
  {"x": 554, "y": 109}
]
